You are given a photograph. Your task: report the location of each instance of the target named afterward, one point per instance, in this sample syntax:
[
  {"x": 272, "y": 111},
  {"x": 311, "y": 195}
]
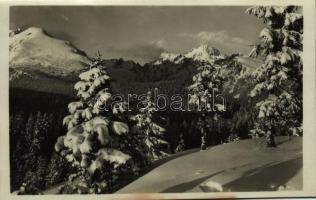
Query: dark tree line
[{"x": 34, "y": 127}]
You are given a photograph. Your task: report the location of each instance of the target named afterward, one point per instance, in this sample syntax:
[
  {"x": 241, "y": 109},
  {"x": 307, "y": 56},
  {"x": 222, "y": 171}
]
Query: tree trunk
[
  {"x": 270, "y": 139},
  {"x": 290, "y": 136},
  {"x": 203, "y": 139},
  {"x": 110, "y": 179}
]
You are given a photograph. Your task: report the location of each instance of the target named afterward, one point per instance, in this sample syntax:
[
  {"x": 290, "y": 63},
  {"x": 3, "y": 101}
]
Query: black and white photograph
[{"x": 158, "y": 99}]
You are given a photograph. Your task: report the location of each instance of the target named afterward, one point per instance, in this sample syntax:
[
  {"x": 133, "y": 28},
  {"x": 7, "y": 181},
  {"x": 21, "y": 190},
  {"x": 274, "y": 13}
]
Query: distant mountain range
[
  {"x": 202, "y": 54},
  {"x": 42, "y": 63}
]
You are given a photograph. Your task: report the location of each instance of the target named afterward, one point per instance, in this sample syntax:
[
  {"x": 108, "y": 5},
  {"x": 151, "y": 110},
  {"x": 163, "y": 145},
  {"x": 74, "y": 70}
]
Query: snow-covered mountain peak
[
  {"x": 205, "y": 49},
  {"x": 33, "y": 30},
  {"x": 203, "y": 53},
  {"x": 168, "y": 56},
  {"x": 34, "y": 50},
  {"x": 165, "y": 56}
]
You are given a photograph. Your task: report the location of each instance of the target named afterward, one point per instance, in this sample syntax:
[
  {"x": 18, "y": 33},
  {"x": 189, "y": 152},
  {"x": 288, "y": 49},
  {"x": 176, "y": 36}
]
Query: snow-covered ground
[{"x": 245, "y": 165}]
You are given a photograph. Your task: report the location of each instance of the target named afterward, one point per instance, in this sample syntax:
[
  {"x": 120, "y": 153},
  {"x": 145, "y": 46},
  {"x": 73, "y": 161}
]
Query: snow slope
[
  {"x": 34, "y": 49},
  {"x": 245, "y": 165},
  {"x": 40, "y": 62}
]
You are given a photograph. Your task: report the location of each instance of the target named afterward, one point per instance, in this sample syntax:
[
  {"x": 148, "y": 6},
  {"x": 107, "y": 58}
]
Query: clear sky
[{"x": 141, "y": 33}]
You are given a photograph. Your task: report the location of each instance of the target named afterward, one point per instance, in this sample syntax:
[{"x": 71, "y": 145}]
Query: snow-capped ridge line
[{"x": 203, "y": 53}]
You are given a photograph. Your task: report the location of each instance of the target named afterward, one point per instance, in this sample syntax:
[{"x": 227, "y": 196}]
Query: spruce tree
[
  {"x": 94, "y": 141},
  {"x": 279, "y": 80},
  {"x": 36, "y": 160},
  {"x": 30, "y": 152},
  {"x": 17, "y": 148},
  {"x": 150, "y": 133},
  {"x": 206, "y": 82}
]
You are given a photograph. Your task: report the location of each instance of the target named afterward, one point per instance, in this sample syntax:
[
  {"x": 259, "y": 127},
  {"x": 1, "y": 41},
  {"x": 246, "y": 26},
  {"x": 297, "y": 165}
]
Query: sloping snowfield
[{"x": 245, "y": 165}]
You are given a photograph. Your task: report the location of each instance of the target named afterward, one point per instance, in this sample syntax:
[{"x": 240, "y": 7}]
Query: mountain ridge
[
  {"x": 41, "y": 62},
  {"x": 202, "y": 54}
]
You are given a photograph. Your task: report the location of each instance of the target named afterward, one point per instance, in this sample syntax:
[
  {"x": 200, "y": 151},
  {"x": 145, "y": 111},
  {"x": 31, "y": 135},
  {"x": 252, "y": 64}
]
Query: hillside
[
  {"x": 257, "y": 169},
  {"x": 34, "y": 49},
  {"x": 40, "y": 62}
]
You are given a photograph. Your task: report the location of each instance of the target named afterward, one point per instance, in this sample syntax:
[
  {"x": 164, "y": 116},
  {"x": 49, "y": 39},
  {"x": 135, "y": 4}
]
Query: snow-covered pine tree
[
  {"x": 150, "y": 133},
  {"x": 207, "y": 81},
  {"x": 232, "y": 71},
  {"x": 94, "y": 143},
  {"x": 279, "y": 80}
]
